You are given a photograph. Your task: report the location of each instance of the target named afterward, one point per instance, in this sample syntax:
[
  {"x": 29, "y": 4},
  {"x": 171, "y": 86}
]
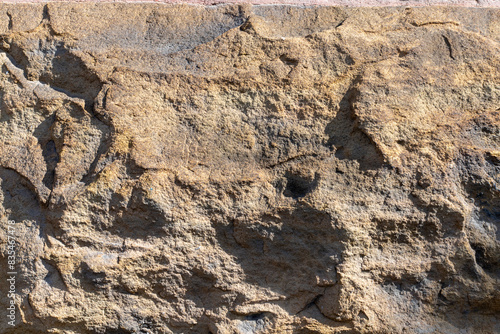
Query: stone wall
[{"x": 249, "y": 169}]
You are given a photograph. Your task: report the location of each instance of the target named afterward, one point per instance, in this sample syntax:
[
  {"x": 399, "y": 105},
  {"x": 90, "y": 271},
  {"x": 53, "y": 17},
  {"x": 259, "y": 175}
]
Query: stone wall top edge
[{"x": 346, "y": 3}]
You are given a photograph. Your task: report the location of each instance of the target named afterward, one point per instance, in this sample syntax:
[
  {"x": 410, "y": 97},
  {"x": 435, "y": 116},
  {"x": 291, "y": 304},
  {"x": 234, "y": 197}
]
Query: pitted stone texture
[{"x": 251, "y": 169}]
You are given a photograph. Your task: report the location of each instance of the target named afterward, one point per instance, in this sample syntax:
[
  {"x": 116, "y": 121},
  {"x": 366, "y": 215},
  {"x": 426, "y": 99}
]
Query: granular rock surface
[{"x": 250, "y": 169}]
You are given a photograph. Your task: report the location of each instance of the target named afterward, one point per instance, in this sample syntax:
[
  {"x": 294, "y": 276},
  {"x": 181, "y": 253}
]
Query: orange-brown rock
[{"x": 250, "y": 169}]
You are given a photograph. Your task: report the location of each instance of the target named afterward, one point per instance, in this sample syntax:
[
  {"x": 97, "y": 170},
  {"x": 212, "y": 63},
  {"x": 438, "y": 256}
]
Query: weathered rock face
[{"x": 239, "y": 169}]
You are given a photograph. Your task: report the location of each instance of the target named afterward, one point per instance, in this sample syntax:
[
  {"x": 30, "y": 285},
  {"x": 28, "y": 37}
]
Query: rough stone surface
[{"x": 251, "y": 169}]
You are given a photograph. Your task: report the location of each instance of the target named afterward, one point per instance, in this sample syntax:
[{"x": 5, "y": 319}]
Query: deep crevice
[{"x": 448, "y": 45}]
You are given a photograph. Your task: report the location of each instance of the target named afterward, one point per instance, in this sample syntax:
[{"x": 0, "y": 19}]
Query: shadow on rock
[
  {"x": 293, "y": 253},
  {"x": 349, "y": 140}
]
